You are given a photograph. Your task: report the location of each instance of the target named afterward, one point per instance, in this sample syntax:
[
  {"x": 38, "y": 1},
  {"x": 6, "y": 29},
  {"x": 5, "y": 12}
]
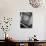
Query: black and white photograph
[{"x": 26, "y": 20}]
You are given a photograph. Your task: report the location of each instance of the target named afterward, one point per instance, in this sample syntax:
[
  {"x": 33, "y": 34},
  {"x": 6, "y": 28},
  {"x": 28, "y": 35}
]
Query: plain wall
[{"x": 12, "y": 8}]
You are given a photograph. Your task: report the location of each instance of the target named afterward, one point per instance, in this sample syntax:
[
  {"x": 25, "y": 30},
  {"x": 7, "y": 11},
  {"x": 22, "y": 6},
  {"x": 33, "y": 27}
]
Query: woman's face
[{"x": 26, "y": 18}]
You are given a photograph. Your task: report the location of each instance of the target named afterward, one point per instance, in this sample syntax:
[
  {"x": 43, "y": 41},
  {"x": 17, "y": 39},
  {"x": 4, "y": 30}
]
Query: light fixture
[{"x": 35, "y": 3}]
